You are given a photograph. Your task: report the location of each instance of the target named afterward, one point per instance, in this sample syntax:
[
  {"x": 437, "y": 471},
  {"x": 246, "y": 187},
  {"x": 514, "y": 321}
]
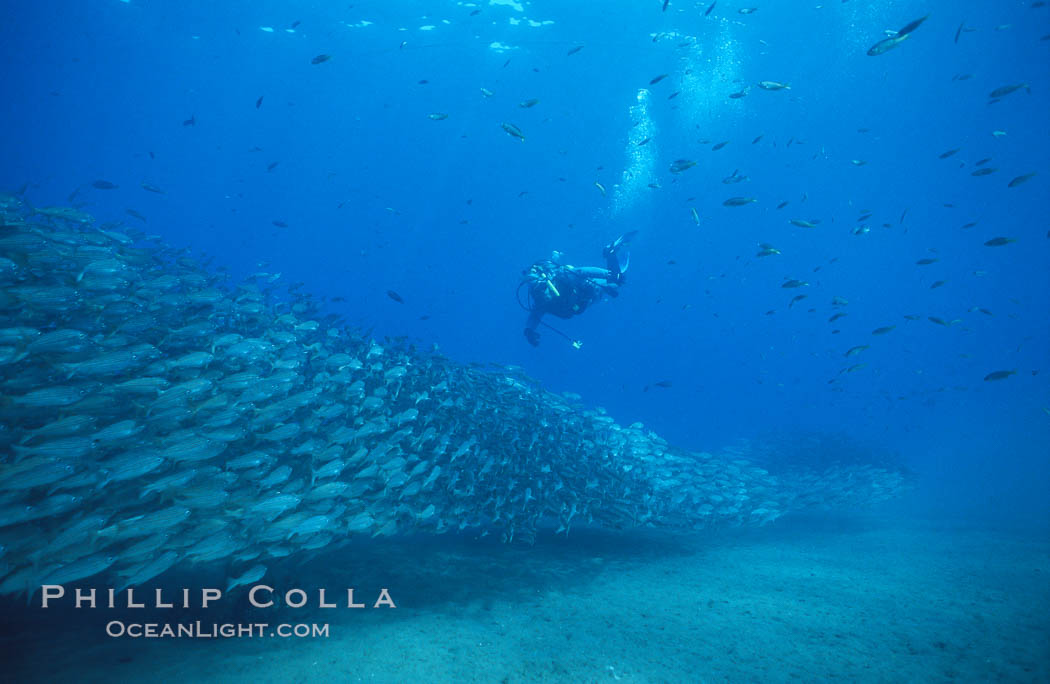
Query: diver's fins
[
  {"x": 617, "y": 257},
  {"x": 623, "y": 239}
]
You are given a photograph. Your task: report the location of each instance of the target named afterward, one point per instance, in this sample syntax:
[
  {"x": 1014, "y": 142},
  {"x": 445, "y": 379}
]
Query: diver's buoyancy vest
[{"x": 576, "y": 293}]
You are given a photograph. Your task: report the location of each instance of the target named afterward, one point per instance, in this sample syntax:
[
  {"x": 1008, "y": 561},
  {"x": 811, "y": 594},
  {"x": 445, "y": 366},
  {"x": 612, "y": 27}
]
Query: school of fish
[{"x": 156, "y": 414}]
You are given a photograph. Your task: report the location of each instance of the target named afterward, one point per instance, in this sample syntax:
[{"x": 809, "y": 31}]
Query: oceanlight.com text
[{"x": 204, "y": 630}]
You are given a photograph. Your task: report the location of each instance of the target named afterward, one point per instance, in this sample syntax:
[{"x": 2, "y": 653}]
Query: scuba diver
[{"x": 565, "y": 291}]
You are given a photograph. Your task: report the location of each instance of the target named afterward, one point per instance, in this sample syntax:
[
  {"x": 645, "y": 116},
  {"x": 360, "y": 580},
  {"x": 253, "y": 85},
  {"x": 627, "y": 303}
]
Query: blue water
[{"x": 447, "y": 213}]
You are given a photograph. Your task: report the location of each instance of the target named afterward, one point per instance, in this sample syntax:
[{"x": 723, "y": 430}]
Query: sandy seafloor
[{"x": 878, "y": 598}]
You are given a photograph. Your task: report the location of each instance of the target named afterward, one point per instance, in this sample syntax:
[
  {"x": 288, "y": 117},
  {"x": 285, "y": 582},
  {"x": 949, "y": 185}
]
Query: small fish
[
  {"x": 152, "y": 188},
  {"x": 802, "y": 223},
  {"x": 644, "y": 141},
  {"x": 756, "y": 140},
  {"x": 680, "y": 165},
  {"x": 279, "y": 224},
  {"x": 104, "y": 185},
  {"x": 696, "y": 216},
  {"x": 883, "y": 330},
  {"x": 600, "y": 187},
  {"x": 982, "y": 162},
  {"x": 985, "y": 171},
  {"x": 486, "y": 92},
  {"x": 673, "y": 95},
  {"x": 939, "y": 283},
  {"x": 999, "y": 375},
  {"x": 272, "y": 165},
  {"x": 1020, "y": 179},
  {"x": 839, "y": 301},
  {"x": 135, "y": 214},
  {"x": 513, "y": 131},
  {"x": 574, "y": 50},
  {"x": 836, "y": 316},
  {"x": 258, "y": 103},
  {"x": 1005, "y": 90},
  {"x": 529, "y": 103},
  {"x": 912, "y": 317},
  {"x": 783, "y": 204},
  {"x": 718, "y": 146},
  {"x": 251, "y": 576},
  {"x": 945, "y": 155},
  {"x": 192, "y": 121},
  {"x": 738, "y": 201},
  {"x": 858, "y": 162},
  {"x": 792, "y": 282},
  {"x": 885, "y": 45},
  {"x": 938, "y": 321},
  {"x": 666, "y": 3},
  {"x": 773, "y": 85},
  {"x": 738, "y": 94},
  {"x": 999, "y": 242},
  {"x": 709, "y": 8},
  {"x": 796, "y": 298},
  {"x": 395, "y": 296},
  {"x": 999, "y": 134},
  {"x": 958, "y": 31},
  {"x": 853, "y": 351},
  {"x": 925, "y": 262},
  {"x": 747, "y": 10},
  {"x": 657, "y": 79},
  {"x": 911, "y": 26},
  {"x": 437, "y": 116},
  {"x": 320, "y": 58}
]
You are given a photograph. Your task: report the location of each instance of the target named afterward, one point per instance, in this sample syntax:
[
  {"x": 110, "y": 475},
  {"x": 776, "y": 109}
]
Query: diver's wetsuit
[{"x": 566, "y": 291}]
